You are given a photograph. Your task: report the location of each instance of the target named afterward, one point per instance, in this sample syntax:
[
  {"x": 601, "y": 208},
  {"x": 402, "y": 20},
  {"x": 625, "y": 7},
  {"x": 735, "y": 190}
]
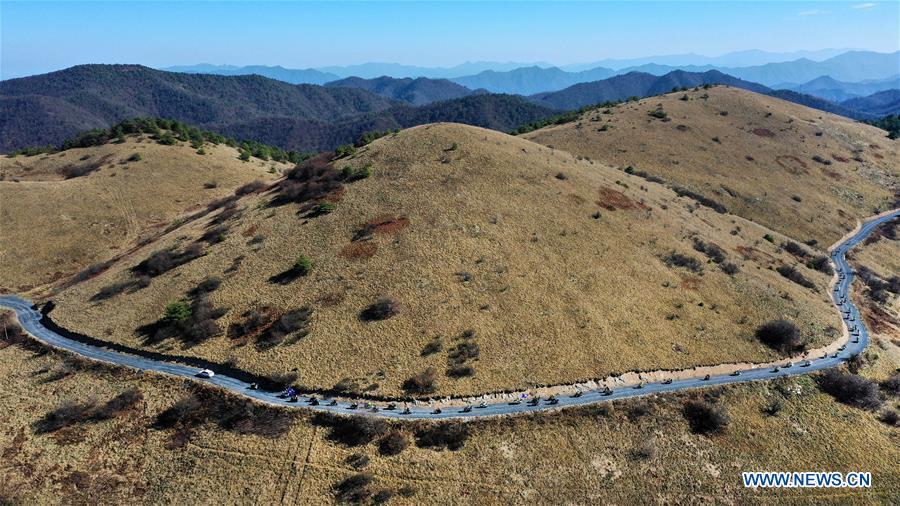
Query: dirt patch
[
  {"x": 792, "y": 164},
  {"x": 612, "y": 199},
  {"x": 359, "y": 250},
  {"x": 763, "y": 132},
  {"x": 382, "y": 224},
  {"x": 833, "y": 174},
  {"x": 690, "y": 282}
]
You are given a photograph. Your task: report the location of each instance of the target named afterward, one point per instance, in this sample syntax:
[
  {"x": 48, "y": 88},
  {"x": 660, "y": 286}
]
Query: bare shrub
[
  {"x": 460, "y": 371},
  {"x": 433, "y": 346},
  {"x": 705, "y": 417},
  {"x": 794, "y": 275},
  {"x": 66, "y": 414},
  {"x": 422, "y": 383},
  {"x": 354, "y": 489},
  {"x": 251, "y": 187},
  {"x": 729, "y": 268},
  {"x": 353, "y": 430},
  {"x": 674, "y": 259},
  {"x": 715, "y": 253},
  {"x": 393, "y": 443},
  {"x": 451, "y": 436},
  {"x": 781, "y": 335},
  {"x": 850, "y": 389},
  {"x": 381, "y": 309}
]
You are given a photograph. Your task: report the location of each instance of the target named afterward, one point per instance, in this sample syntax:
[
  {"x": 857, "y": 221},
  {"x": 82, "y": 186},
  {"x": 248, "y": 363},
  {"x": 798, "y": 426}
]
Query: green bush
[
  {"x": 303, "y": 265},
  {"x": 244, "y": 156},
  {"x": 177, "y": 312},
  {"x": 345, "y": 150},
  {"x": 324, "y": 208},
  {"x": 135, "y": 157}
]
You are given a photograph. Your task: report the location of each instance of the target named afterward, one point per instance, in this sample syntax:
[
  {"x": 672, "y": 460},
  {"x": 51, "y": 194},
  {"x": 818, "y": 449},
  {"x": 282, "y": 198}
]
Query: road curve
[{"x": 30, "y": 320}]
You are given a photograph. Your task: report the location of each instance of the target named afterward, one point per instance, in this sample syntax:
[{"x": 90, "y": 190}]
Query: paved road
[{"x": 30, "y": 320}]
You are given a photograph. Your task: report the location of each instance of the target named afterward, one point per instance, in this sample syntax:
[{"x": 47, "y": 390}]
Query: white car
[{"x": 205, "y": 373}]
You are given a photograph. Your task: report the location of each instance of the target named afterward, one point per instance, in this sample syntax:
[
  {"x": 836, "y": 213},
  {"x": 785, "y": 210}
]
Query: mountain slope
[
  {"x": 526, "y": 264},
  {"x": 53, "y": 227},
  {"x": 417, "y": 91},
  {"x": 497, "y": 112},
  {"x": 879, "y": 104},
  {"x": 111, "y": 93},
  {"x": 752, "y": 153},
  {"x": 820, "y": 104}
]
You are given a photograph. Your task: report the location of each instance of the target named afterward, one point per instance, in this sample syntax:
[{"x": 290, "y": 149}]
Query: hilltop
[
  {"x": 805, "y": 173},
  {"x": 65, "y": 211},
  {"x": 496, "y": 261}
]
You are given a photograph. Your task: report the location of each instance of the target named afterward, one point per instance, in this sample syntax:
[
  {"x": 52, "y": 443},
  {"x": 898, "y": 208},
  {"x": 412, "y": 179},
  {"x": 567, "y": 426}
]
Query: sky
[{"x": 37, "y": 37}]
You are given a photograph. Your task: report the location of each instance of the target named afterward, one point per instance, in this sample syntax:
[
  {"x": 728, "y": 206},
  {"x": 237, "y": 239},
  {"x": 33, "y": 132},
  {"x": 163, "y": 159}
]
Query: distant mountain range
[
  {"x": 838, "y": 91},
  {"x": 522, "y": 79},
  {"x": 293, "y": 76},
  {"x": 49, "y": 108}
]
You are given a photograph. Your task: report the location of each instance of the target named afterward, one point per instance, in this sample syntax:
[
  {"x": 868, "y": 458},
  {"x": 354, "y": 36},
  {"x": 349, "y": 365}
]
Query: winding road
[{"x": 30, "y": 319}]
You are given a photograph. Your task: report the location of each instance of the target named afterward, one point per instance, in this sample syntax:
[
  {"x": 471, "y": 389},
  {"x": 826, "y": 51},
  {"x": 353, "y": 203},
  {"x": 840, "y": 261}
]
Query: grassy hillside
[
  {"x": 64, "y": 211},
  {"x": 622, "y": 452},
  {"x": 508, "y": 264},
  {"x": 804, "y": 173}
]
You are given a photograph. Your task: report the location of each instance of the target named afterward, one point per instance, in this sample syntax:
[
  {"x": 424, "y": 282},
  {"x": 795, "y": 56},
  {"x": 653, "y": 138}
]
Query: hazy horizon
[{"x": 45, "y": 36}]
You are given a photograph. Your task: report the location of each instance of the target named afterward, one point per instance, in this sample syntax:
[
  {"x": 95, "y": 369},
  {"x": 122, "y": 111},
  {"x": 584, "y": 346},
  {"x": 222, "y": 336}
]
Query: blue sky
[{"x": 38, "y": 37}]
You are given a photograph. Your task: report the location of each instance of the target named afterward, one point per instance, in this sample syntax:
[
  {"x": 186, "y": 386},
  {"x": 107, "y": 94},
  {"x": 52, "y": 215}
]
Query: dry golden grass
[
  {"x": 52, "y": 228},
  {"x": 763, "y": 157},
  {"x": 497, "y": 243},
  {"x": 572, "y": 457}
]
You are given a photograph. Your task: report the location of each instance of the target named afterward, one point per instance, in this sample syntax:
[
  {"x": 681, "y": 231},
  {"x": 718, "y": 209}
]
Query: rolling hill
[
  {"x": 419, "y": 91},
  {"x": 839, "y": 91},
  {"x": 530, "y": 80},
  {"x": 63, "y": 212},
  {"x": 802, "y": 172},
  {"x": 468, "y": 242}
]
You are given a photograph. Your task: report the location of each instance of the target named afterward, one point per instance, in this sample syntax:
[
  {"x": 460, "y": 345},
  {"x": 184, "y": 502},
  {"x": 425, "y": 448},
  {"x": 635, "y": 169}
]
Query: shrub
[
  {"x": 354, "y": 489},
  {"x": 702, "y": 200},
  {"x": 705, "y": 417},
  {"x": 421, "y": 383},
  {"x": 850, "y": 389},
  {"x": 768, "y": 237},
  {"x": 460, "y": 371},
  {"x": 434, "y": 346},
  {"x": 658, "y": 113},
  {"x": 244, "y": 156},
  {"x": 794, "y": 275},
  {"x": 892, "y": 385},
  {"x": 794, "y": 249},
  {"x": 163, "y": 261},
  {"x": 393, "y": 443},
  {"x": 821, "y": 264},
  {"x": 66, "y": 414},
  {"x": 345, "y": 150},
  {"x": 674, "y": 259},
  {"x": 451, "y": 436},
  {"x": 352, "y": 430},
  {"x": 773, "y": 407},
  {"x": 715, "y": 253},
  {"x": 381, "y": 309},
  {"x": 136, "y": 157},
  {"x": 466, "y": 350},
  {"x": 177, "y": 312},
  {"x": 781, "y": 335},
  {"x": 303, "y": 265},
  {"x": 638, "y": 409},
  {"x": 251, "y": 187},
  {"x": 890, "y": 417},
  {"x": 729, "y": 268},
  {"x": 324, "y": 208}
]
